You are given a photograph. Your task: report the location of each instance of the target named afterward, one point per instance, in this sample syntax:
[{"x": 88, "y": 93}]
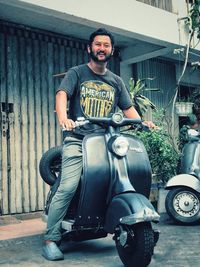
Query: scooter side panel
[
  {"x": 139, "y": 168},
  {"x": 123, "y": 205},
  {"x": 184, "y": 180},
  {"x": 95, "y": 181},
  {"x": 188, "y": 154}
]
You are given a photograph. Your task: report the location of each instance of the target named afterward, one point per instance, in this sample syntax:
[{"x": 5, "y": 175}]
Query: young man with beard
[{"x": 92, "y": 91}]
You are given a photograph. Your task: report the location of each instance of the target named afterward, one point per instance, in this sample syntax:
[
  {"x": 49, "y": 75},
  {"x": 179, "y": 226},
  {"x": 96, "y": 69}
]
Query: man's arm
[
  {"x": 61, "y": 110},
  {"x": 132, "y": 113}
]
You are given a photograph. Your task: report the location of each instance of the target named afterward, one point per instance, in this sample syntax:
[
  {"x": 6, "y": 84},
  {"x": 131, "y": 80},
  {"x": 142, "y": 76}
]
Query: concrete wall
[{"x": 130, "y": 16}]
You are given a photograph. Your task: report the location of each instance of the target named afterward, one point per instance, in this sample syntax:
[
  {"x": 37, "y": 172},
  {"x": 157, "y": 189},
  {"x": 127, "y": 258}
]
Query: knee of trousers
[{"x": 68, "y": 187}]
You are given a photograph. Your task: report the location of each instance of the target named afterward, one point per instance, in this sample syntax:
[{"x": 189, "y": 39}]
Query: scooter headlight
[{"x": 120, "y": 146}]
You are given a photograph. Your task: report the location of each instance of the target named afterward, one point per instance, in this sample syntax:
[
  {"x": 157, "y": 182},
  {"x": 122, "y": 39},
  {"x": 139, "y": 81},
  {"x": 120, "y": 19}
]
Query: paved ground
[{"x": 21, "y": 243}]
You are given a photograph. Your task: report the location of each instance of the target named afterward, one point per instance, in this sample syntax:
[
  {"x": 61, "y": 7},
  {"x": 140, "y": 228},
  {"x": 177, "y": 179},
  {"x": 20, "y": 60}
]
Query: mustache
[
  {"x": 95, "y": 56},
  {"x": 101, "y": 52}
]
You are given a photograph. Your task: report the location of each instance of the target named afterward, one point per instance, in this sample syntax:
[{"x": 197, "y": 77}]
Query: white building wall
[{"x": 132, "y": 17}]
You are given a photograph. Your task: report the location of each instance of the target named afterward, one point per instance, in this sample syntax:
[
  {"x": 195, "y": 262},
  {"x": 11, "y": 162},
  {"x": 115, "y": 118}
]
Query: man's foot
[{"x": 51, "y": 252}]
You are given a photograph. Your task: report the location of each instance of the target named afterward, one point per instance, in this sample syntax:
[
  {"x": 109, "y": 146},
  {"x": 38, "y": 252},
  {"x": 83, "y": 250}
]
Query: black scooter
[
  {"x": 113, "y": 193},
  {"x": 183, "y": 199}
]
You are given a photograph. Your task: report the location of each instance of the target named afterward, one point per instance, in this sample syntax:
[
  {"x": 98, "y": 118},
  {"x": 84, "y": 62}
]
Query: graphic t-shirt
[
  {"x": 96, "y": 98},
  {"x": 93, "y": 95}
]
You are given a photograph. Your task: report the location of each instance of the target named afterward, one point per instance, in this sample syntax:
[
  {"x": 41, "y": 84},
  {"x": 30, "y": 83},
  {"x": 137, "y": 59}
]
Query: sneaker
[{"x": 51, "y": 252}]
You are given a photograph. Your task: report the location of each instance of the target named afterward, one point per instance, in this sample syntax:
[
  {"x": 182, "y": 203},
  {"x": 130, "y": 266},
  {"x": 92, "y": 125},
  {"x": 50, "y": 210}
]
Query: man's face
[{"x": 101, "y": 49}]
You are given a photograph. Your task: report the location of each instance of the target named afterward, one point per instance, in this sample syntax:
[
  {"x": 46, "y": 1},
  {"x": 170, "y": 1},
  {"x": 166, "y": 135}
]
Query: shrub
[{"x": 162, "y": 154}]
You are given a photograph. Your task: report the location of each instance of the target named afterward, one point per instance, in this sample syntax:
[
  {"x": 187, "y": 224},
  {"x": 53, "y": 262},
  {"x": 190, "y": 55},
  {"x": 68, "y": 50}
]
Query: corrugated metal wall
[
  {"x": 28, "y": 60},
  {"x": 165, "y": 79}
]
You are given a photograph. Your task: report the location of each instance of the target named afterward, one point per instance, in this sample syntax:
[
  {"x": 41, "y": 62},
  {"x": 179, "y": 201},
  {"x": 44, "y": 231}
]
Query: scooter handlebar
[{"x": 117, "y": 119}]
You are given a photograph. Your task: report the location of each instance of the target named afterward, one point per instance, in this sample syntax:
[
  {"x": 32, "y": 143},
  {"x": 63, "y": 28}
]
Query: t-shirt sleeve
[
  {"x": 125, "y": 101},
  {"x": 69, "y": 82}
]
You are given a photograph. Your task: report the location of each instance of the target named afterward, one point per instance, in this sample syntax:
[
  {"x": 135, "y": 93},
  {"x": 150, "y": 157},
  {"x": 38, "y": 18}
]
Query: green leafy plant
[
  {"x": 195, "y": 97},
  {"x": 163, "y": 156},
  {"x": 191, "y": 123},
  {"x": 194, "y": 15},
  {"x": 141, "y": 102},
  {"x": 183, "y": 136}
]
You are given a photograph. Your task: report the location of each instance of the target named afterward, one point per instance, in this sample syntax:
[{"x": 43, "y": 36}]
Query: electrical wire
[{"x": 181, "y": 76}]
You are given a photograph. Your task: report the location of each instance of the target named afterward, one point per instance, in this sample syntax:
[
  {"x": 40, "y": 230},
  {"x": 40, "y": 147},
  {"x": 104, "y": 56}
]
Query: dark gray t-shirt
[{"x": 93, "y": 95}]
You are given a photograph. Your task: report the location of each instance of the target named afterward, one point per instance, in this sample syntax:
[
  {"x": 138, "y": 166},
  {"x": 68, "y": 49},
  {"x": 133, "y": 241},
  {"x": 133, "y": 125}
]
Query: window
[{"x": 162, "y": 4}]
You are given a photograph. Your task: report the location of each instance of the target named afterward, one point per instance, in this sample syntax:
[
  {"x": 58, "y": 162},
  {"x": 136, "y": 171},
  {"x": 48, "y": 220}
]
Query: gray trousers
[{"x": 70, "y": 176}]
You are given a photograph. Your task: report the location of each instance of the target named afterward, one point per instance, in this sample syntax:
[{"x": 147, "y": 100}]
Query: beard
[{"x": 95, "y": 57}]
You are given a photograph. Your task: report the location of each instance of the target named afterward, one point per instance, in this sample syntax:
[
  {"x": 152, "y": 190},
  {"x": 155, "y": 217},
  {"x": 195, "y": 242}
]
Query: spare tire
[{"x": 50, "y": 165}]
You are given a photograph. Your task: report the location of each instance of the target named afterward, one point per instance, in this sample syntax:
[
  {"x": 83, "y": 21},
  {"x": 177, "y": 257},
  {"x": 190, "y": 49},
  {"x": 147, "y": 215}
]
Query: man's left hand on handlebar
[{"x": 150, "y": 125}]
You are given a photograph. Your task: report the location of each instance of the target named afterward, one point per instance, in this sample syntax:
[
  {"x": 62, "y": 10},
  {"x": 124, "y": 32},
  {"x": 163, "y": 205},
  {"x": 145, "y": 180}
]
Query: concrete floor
[{"x": 21, "y": 244}]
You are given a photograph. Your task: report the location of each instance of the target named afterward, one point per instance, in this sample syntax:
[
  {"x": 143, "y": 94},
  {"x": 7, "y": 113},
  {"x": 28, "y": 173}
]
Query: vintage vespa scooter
[
  {"x": 183, "y": 200},
  {"x": 113, "y": 193}
]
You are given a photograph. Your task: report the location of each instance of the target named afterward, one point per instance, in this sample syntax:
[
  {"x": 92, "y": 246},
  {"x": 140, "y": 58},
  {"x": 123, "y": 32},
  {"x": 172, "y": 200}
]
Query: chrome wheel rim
[{"x": 186, "y": 204}]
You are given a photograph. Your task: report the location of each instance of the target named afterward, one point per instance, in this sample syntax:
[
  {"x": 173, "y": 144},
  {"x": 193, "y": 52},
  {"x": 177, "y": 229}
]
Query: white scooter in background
[{"x": 183, "y": 200}]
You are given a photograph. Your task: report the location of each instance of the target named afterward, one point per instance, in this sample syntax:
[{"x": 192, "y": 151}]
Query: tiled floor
[{"x": 22, "y": 228}]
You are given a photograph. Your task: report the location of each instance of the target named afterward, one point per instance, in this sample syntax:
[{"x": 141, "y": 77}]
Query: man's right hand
[
  {"x": 67, "y": 124},
  {"x": 61, "y": 107}
]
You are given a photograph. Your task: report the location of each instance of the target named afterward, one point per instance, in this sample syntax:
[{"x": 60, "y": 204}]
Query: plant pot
[{"x": 184, "y": 108}]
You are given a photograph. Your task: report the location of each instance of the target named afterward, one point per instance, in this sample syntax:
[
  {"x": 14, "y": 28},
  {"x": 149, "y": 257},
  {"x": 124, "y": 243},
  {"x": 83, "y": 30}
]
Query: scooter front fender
[
  {"x": 184, "y": 180},
  {"x": 129, "y": 208}
]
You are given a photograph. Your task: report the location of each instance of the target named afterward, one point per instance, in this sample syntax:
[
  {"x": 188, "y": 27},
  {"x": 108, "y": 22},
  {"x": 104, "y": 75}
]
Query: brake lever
[{"x": 140, "y": 127}]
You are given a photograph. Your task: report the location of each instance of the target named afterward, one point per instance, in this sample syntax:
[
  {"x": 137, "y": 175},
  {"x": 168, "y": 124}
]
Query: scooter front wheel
[
  {"x": 183, "y": 205},
  {"x": 135, "y": 244}
]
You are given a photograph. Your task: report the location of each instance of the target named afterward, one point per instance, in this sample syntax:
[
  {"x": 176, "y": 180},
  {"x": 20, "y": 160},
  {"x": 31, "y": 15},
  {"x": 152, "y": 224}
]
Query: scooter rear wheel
[
  {"x": 183, "y": 205},
  {"x": 135, "y": 244}
]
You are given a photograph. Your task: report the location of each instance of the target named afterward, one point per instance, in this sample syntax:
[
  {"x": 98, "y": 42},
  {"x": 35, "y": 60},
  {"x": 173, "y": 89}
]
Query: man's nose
[{"x": 102, "y": 47}]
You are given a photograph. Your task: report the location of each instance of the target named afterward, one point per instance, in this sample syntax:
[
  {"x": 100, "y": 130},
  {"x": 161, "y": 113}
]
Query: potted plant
[
  {"x": 141, "y": 102},
  {"x": 184, "y": 106},
  {"x": 163, "y": 155}
]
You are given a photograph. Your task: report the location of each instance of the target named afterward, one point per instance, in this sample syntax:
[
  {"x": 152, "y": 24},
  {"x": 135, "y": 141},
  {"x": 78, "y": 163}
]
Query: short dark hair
[{"x": 101, "y": 31}]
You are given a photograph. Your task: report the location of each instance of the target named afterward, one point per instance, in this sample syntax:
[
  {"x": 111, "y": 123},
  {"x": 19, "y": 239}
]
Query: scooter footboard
[{"x": 129, "y": 208}]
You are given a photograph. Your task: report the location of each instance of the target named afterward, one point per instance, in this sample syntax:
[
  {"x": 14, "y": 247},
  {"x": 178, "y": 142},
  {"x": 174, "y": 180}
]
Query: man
[{"x": 92, "y": 90}]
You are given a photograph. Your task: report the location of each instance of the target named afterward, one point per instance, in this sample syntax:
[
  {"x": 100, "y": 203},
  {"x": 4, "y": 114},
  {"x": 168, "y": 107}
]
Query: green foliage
[
  {"x": 195, "y": 97},
  {"x": 162, "y": 154},
  {"x": 183, "y": 136},
  {"x": 141, "y": 102},
  {"x": 194, "y": 17},
  {"x": 192, "y": 123}
]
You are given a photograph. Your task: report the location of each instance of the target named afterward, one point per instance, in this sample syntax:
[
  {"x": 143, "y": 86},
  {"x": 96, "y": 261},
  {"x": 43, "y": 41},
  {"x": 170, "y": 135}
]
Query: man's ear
[
  {"x": 88, "y": 49},
  {"x": 112, "y": 52}
]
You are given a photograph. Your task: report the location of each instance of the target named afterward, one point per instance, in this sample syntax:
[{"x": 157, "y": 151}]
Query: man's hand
[
  {"x": 150, "y": 124},
  {"x": 67, "y": 124}
]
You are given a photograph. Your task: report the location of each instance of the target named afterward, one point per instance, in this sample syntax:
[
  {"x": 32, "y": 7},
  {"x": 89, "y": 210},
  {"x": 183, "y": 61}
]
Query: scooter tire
[
  {"x": 139, "y": 248},
  {"x": 50, "y": 165},
  {"x": 175, "y": 205}
]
